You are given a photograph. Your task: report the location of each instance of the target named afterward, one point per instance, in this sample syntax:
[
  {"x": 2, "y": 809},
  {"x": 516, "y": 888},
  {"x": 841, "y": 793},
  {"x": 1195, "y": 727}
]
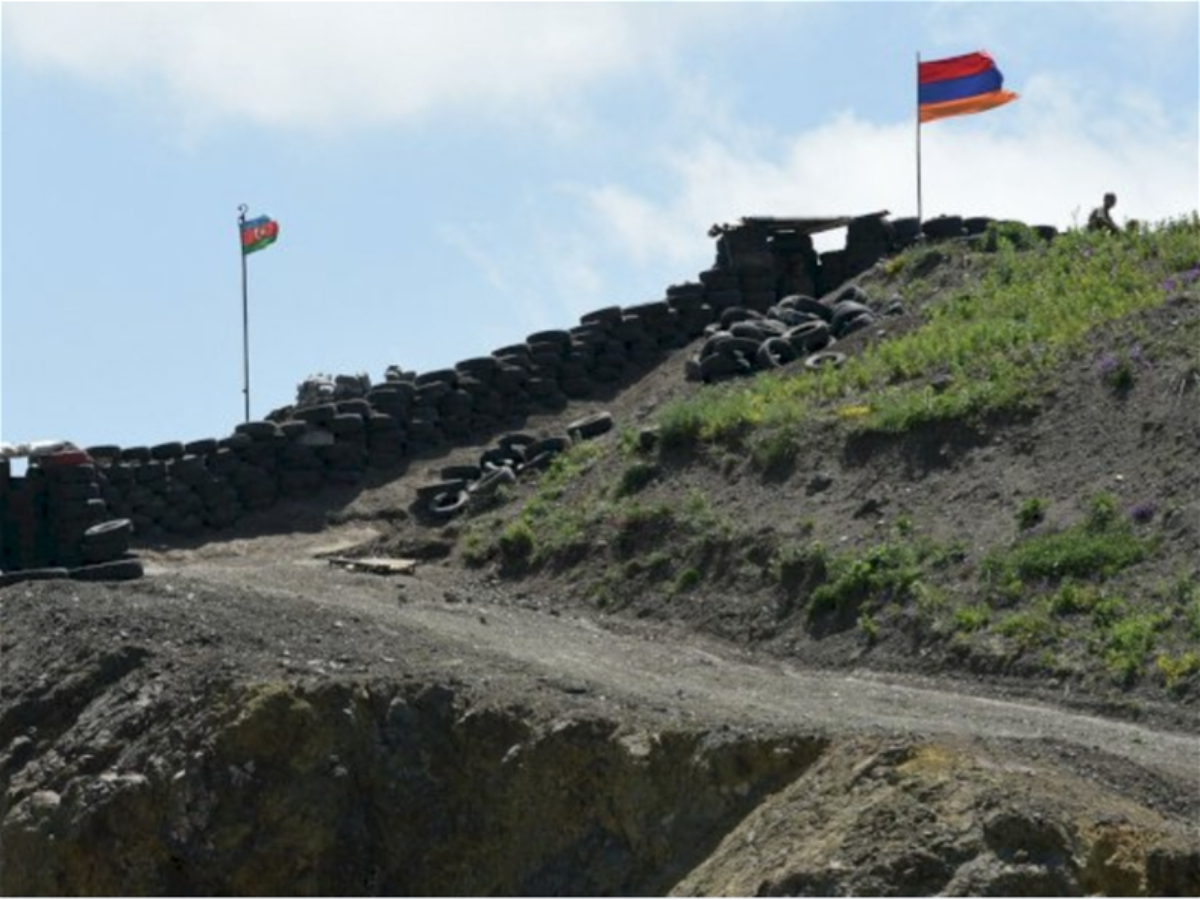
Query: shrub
[
  {"x": 1116, "y": 372},
  {"x": 886, "y": 572},
  {"x": 476, "y": 546},
  {"x": 868, "y": 627},
  {"x": 516, "y": 542},
  {"x": 1103, "y": 512},
  {"x": 636, "y": 477},
  {"x": 1032, "y": 512},
  {"x": 687, "y": 579},
  {"x": 1071, "y": 598},
  {"x": 1127, "y": 643},
  {"x": 1097, "y": 548},
  {"x": 1176, "y": 668},
  {"x": 1029, "y": 628},
  {"x": 972, "y": 618}
]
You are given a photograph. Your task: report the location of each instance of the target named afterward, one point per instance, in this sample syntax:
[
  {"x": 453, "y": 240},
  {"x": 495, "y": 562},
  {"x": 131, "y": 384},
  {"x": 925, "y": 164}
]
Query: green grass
[
  {"x": 687, "y": 580},
  {"x": 1030, "y": 628},
  {"x": 973, "y": 617},
  {"x": 517, "y": 542},
  {"x": 1127, "y": 643},
  {"x": 636, "y": 476},
  {"x": 885, "y": 573},
  {"x": 1174, "y": 669},
  {"x": 1097, "y": 548},
  {"x": 1031, "y": 512},
  {"x": 1031, "y": 310}
]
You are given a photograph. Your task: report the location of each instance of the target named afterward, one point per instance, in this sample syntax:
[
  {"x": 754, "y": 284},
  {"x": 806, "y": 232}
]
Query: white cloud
[
  {"x": 1051, "y": 159},
  {"x": 326, "y": 64}
]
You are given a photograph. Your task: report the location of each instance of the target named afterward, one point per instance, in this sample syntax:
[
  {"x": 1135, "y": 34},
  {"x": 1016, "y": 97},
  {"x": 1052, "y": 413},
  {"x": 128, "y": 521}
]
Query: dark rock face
[{"x": 357, "y": 789}]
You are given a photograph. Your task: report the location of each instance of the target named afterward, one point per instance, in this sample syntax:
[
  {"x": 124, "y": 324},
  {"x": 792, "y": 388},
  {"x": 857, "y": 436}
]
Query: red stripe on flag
[{"x": 953, "y": 67}]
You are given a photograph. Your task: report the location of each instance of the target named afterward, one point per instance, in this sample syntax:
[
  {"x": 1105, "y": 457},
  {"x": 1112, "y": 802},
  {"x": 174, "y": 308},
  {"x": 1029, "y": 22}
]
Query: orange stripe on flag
[{"x": 930, "y": 112}]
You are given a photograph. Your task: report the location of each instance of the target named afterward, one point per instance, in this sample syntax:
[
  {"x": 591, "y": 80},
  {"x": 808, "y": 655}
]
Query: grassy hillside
[{"x": 1002, "y": 479}]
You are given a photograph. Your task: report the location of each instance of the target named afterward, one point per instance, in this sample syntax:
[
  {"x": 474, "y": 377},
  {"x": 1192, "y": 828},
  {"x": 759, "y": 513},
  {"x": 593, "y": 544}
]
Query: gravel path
[{"x": 667, "y": 672}]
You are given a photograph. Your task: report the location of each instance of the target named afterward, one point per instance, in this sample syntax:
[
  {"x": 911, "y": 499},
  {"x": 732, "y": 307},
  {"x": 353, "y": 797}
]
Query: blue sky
[{"x": 451, "y": 177}]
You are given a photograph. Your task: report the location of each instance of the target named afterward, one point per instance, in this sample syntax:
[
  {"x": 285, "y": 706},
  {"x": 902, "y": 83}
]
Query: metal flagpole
[
  {"x": 919, "y": 218},
  {"x": 242, "y": 208}
]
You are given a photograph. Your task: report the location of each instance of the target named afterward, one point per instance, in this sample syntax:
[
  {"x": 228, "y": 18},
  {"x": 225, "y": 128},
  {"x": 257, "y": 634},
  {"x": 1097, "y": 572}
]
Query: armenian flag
[
  {"x": 258, "y": 233},
  {"x": 959, "y": 86}
]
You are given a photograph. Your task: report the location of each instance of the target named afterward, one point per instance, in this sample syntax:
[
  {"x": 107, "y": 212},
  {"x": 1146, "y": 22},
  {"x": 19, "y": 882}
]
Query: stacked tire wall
[{"x": 192, "y": 488}]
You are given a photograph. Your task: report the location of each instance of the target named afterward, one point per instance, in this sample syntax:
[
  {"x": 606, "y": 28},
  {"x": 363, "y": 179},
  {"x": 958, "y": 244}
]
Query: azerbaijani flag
[
  {"x": 958, "y": 86},
  {"x": 259, "y": 233}
]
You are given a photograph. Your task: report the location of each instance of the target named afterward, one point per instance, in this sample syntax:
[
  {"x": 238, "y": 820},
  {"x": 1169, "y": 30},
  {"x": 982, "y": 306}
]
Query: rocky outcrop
[{"x": 385, "y": 789}]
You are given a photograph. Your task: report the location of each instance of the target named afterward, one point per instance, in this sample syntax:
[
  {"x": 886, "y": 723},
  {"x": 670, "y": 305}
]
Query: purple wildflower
[
  {"x": 1169, "y": 285},
  {"x": 1142, "y": 512},
  {"x": 1108, "y": 364}
]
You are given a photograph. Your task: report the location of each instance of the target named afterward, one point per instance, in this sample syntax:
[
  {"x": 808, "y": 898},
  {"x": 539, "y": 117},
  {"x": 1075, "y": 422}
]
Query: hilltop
[
  {"x": 1027, "y": 512},
  {"x": 922, "y": 619}
]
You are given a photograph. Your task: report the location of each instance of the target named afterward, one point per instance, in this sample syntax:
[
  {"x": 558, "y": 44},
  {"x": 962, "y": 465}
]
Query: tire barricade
[
  {"x": 798, "y": 328},
  {"x": 57, "y": 524},
  {"x": 475, "y": 487},
  {"x": 758, "y": 315}
]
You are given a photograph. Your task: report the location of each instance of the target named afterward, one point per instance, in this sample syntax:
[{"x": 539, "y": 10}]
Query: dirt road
[{"x": 642, "y": 667}]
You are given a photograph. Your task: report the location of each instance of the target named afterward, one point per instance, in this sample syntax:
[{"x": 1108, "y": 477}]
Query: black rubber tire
[
  {"x": 905, "y": 232},
  {"x": 591, "y": 426},
  {"x": 447, "y": 504},
  {"x": 718, "y": 366},
  {"x": 810, "y": 337},
  {"x": 715, "y": 344},
  {"x": 202, "y": 447},
  {"x": 540, "y": 462},
  {"x": 516, "y": 439},
  {"x": 136, "y": 454},
  {"x": 609, "y": 315},
  {"x": 465, "y": 473},
  {"x": 501, "y": 457},
  {"x": 843, "y": 312},
  {"x": 345, "y": 424},
  {"x": 357, "y": 407},
  {"x": 104, "y": 551},
  {"x": 107, "y": 452},
  {"x": 42, "y": 574},
  {"x": 109, "y": 529},
  {"x": 126, "y": 569},
  {"x": 824, "y": 359},
  {"x": 169, "y": 450},
  {"x": 557, "y": 337},
  {"x": 804, "y": 303},
  {"x": 235, "y": 442},
  {"x": 775, "y": 352},
  {"x": 493, "y": 480},
  {"x": 447, "y": 377},
  {"x": 477, "y": 365},
  {"x": 735, "y": 314},
  {"x": 749, "y": 330},
  {"x": 316, "y": 415},
  {"x": 748, "y": 347},
  {"x": 856, "y": 323},
  {"x": 943, "y": 227},
  {"x": 977, "y": 224},
  {"x": 548, "y": 445},
  {"x": 257, "y": 430},
  {"x": 425, "y": 492},
  {"x": 512, "y": 351}
]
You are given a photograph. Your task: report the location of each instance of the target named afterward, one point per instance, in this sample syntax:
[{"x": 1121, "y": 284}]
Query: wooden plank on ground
[{"x": 377, "y": 565}]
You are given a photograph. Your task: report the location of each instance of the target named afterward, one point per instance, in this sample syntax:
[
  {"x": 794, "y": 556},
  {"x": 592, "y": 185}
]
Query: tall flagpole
[
  {"x": 242, "y": 208},
  {"x": 919, "y": 218}
]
